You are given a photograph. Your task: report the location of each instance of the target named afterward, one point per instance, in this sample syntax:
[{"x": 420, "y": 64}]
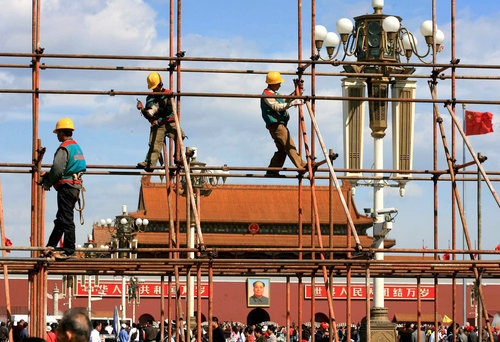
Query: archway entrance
[
  {"x": 257, "y": 316},
  {"x": 320, "y": 317},
  {"x": 145, "y": 318}
]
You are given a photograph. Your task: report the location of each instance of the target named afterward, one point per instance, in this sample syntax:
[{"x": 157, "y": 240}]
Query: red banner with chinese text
[
  {"x": 114, "y": 289},
  {"x": 359, "y": 292}
]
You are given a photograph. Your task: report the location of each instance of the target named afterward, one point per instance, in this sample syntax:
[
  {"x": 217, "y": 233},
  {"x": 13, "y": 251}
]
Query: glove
[
  {"x": 296, "y": 102},
  {"x": 140, "y": 106},
  {"x": 299, "y": 83}
]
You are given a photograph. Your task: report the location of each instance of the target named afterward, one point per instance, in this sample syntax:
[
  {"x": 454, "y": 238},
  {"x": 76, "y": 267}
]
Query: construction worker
[
  {"x": 160, "y": 114},
  {"x": 275, "y": 115},
  {"x": 65, "y": 176}
]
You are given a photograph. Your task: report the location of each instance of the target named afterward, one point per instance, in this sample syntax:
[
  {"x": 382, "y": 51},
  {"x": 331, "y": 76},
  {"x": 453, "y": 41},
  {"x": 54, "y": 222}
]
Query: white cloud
[
  {"x": 6, "y": 79},
  {"x": 111, "y": 26}
]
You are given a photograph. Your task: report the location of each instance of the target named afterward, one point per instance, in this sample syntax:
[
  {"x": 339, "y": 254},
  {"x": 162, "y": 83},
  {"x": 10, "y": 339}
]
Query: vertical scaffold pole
[
  {"x": 451, "y": 170},
  {"x": 5, "y": 270}
]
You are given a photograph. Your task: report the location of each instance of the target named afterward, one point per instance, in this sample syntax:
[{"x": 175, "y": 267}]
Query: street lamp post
[
  {"x": 123, "y": 234},
  {"x": 202, "y": 186},
  {"x": 378, "y": 38}
]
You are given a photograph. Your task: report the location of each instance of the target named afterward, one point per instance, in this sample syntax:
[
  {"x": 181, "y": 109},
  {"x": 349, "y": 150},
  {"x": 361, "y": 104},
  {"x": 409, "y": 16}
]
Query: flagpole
[{"x": 464, "y": 287}]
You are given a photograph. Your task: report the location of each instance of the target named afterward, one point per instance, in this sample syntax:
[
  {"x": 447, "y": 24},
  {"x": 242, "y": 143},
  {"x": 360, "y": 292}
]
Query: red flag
[
  {"x": 424, "y": 248},
  {"x": 478, "y": 123},
  {"x": 7, "y": 243},
  {"x": 497, "y": 248},
  {"x": 446, "y": 256}
]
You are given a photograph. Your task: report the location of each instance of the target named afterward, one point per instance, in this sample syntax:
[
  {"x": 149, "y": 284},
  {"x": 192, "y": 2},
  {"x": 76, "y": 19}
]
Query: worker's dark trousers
[{"x": 63, "y": 224}]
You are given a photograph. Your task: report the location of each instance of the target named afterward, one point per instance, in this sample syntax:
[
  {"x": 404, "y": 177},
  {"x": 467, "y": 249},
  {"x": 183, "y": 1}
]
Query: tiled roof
[
  {"x": 101, "y": 235},
  {"x": 249, "y": 204}
]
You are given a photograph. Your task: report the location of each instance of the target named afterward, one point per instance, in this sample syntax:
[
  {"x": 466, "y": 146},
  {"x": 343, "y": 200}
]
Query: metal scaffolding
[{"x": 356, "y": 261}]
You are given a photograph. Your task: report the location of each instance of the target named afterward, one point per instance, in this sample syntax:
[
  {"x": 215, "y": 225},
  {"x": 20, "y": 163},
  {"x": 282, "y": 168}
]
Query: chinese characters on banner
[
  {"x": 114, "y": 289},
  {"x": 359, "y": 292}
]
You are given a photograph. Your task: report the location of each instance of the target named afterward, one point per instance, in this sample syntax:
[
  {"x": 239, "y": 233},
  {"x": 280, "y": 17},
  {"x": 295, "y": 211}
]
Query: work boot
[
  {"x": 272, "y": 174},
  {"x": 47, "y": 253},
  {"x": 145, "y": 166},
  {"x": 62, "y": 255}
]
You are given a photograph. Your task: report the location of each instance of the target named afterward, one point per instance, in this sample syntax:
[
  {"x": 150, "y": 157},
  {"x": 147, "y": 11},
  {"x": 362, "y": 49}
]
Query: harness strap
[{"x": 78, "y": 179}]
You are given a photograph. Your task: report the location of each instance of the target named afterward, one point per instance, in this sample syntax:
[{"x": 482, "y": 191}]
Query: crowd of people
[
  {"x": 468, "y": 333},
  {"x": 75, "y": 326},
  {"x": 237, "y": 332}
]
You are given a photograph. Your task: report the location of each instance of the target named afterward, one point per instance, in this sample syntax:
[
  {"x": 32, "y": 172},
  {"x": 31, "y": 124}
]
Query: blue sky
[{"x": 226, "y": 131}]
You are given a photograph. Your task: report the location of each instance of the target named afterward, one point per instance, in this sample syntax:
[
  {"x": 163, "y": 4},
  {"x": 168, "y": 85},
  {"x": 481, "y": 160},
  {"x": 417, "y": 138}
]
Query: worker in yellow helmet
[
  {"x": 159, "y": 112},
  {"x": 65, "y": 176},
  {"x": 275, "y": 115}
]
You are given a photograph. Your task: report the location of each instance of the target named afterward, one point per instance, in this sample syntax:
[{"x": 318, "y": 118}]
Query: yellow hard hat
[
  {"x": 274, "y": 77},
  {"x": 154, "y": 79},
  {"x": 64, "y": 123}
]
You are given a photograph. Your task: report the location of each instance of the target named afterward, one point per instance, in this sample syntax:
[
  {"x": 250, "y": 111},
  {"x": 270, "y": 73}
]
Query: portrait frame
[{"x": 265, "y": 300}]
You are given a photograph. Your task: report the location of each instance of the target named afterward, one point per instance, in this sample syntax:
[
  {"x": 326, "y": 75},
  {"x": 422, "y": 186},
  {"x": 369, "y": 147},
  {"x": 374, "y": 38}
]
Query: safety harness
[{"x": 78, "y": 179}]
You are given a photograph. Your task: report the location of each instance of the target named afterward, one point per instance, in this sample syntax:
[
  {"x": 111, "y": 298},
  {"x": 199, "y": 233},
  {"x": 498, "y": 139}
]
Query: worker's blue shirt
[{"x": 123, "y": 336}]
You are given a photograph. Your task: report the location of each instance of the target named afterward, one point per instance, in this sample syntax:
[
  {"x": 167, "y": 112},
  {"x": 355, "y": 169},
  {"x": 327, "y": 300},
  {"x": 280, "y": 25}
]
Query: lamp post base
[{"x": 381, "y": 329}]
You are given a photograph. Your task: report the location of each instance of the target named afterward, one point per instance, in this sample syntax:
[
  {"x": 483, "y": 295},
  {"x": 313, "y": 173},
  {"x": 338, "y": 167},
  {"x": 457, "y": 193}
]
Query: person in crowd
[
  {"x": 355, "y": 334},
  {"x": 134, "y": 333},
  {"x": 405, "y": 333},
  {"x": 50, "y": 335},
  {"x": 306, "y": 334},
  {"x": 461, "y": 337},
  {"x": 95, "y": 334},
  {"x": 259, "y": 335},
  {"x": 16, "y": 330},
  {"x": 74, "y": 326},
  {"x": 23, "y": 334},
  {"x": 217, "y": 332},
  {"x": 123, "y": 335},
  {"x": 414, "y": 334},
  {"x": 471, "y": 333},
  {"x": 321, "y": 334},
  {"x": 173, "y": 333},
  {"x": 234, "y": 335},
  {"x": 150, "y": 332},
  {"x": 4, "y": 332},
  {"x": 249, "y": 336},
  {"x": 109, "y": 329},
  {"x": 241, "y": 337},
  {"x": 271, "y": 332}
]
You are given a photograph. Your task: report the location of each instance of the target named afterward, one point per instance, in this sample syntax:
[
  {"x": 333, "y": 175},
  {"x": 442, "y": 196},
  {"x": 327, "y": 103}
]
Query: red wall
[{"x": 230, "y": 302}]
